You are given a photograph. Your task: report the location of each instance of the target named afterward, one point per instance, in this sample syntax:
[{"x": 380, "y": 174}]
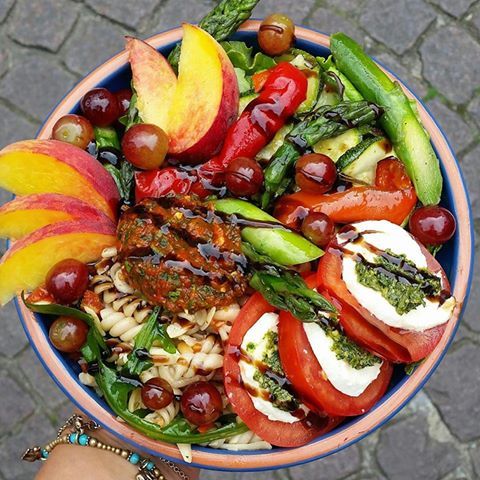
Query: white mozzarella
[
  {"x": 256, "y": 335},
  {"x": 346, "y": 379},
  {"x": 389, "y": 236}
]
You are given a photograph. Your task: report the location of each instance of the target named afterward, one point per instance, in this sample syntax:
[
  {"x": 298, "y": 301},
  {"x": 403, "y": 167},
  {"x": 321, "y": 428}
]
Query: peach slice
[
  {"x": 23, "y": 215},
  {"x": 206, "y": 98},
  {"x": 25, "y": 265},
  {"x": 154, "y": 82},
  {"x": 51, "y": 166}
]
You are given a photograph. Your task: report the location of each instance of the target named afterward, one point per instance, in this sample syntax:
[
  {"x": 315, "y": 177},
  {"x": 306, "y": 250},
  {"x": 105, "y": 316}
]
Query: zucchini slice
[
  {"x": 360, "y": 162},
  {"x": 335, "y": 147}
]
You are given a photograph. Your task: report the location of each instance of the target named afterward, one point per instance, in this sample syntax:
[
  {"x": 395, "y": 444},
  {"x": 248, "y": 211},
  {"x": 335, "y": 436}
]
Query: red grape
[
  {"x": 73, "y": 129},
  {"x": 67, "y": 281},
  {"x": 123, "y": 98},
  {"x": 201, "y": 403},
  {"x": 276, "y": 34},
  {"x": 318, "y": 228},
  {"x": 68, "y": 334},
  {"x": 244, "y": 177},
  {"x": 100, "y": 106},
  {"x": 315, "y": 173},
  {"x": 145, "y": 146},
  {"x": 156, "y": 393},
  {"x": 432, "y": 225}
]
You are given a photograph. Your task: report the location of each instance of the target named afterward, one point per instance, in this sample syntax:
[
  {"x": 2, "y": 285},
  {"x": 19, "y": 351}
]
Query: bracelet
[{"x": 77, "y": 436}]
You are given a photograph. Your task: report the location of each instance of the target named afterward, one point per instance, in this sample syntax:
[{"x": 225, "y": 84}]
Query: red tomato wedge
[
  {"x": 392, "y": 198},
  {"x": 277, "y": 433},
  {"x": 397, "y": 345},
  {"x": 306, "y": 375}
]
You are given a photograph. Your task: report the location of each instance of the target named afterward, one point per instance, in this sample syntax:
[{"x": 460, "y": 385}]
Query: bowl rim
[{"x": 335, "y": 441}]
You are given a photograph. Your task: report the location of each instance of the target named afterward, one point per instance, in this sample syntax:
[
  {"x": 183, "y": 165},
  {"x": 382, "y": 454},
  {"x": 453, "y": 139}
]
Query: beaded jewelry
[{"x": 77, "y": 436}]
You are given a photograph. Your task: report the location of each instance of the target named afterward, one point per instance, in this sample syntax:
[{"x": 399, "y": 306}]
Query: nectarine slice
[
  {"x": 51, "y": 166},
  {"x": 23, "y": 215},
  {"x": 205, "y": 102},
  {"x": 25, "y": 265},
  {"x": 154, "y": 82}
]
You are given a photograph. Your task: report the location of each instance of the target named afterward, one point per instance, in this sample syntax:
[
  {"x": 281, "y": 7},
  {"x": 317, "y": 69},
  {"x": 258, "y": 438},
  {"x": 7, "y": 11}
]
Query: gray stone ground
[{"x": 47, "y": 45}]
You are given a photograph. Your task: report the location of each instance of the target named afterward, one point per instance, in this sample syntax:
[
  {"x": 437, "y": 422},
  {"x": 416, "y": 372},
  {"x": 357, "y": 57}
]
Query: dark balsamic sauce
[
  {"x": 349, "y": 234},
  {"x": 238, "y": 354}
]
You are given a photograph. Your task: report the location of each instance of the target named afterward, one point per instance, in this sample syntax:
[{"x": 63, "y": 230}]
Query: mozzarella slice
[
  {"x": 256, "y": 336},
  {"x": 346, "y": 379},
  {"x": 388, "y": 236}
]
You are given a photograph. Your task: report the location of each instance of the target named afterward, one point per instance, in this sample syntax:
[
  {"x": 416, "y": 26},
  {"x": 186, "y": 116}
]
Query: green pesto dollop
[
  {"x": 398, "y": 280},
  {"x": 353, "y": 354},
  {"x": 279, "y": 396}
]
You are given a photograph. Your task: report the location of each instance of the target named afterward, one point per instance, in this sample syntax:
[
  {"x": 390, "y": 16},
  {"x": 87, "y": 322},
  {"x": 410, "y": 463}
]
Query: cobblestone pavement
[{"x": 47, "y": 45}]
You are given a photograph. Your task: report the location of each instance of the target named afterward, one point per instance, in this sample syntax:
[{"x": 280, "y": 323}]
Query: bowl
[{"x": 456, "y": 258}]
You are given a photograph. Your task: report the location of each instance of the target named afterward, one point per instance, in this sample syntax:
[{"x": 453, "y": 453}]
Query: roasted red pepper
[
  {"x": 391, "y": 198},
  {"x": 284, "y": 90}
]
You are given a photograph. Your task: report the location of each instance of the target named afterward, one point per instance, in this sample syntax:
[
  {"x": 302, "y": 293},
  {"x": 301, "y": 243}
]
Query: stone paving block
[
  {"x": 339, "y": 465},
  {"x": 129, "y": 13},
  {"x": 35, "y": 84},
  {"x": 93, "y": 41},
  {"x": 474, "y": 109},
  {"x": 475, "y": 19},
  {"x": 471, "y": 174},
  {"x": 14, "y": 127},
  {"x": 454, "y": 390},
  {"x": 348, "y": 6},
  {"x": 475, "y": 455},
  {"x": 4, "y": 60},
  {"x": 447, "y": 61},
  {"x": 397, "y": 24},
  {"x": 458, "y": 132},
  {"x": 37, "y": 377},
  {"x": 13, "y": 338},
  {"x": 5, "y": 6},
  {"x": 16, "y": 403},
  {"x": 328, "y": 22},
  {"x": 405, "y": 451},
  {"x": 454, "y": 7},
  {"x": 298, "y": 11},
  {"x": 42, "y": 23},
  {"x": 402, "y": 72},
  {"x": 35, "y": 431},
  {"x": 172, "y": 14}
]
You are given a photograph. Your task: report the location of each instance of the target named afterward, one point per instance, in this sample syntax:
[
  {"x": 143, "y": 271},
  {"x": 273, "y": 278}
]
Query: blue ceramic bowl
[{"x": 456, "y": 258}]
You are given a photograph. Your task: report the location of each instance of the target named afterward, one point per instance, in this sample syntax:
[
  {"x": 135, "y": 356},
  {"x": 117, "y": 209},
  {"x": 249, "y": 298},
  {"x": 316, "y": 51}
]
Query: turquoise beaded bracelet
[{"x": 146, "y": 467}]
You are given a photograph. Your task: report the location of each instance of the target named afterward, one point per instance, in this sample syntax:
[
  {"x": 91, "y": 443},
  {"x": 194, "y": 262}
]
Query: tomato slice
[
  {"x": 277, "y": 433},
  {"x": 397, "y": 345},
  {"x": 306, "y": 375},
  {"x": 392, "y": 198}
]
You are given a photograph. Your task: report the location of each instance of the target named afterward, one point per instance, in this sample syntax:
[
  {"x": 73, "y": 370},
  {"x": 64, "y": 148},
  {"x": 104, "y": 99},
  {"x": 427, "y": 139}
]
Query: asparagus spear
[
  {"x": 220, "y": 23},
  {"x": 288, "y": 291},
  {"x": 400, "y": 122},
  {"x": 325, "y": 122}
]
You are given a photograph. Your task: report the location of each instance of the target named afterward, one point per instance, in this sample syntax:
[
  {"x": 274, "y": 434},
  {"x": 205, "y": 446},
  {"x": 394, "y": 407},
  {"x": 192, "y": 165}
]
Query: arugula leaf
[
  {"x": 116, "y": 391},
  {"x": 151, "y": 332},
  {"x": 91, "y": 350},
  {"x": 59, "y": 310},
  {"x": 242, "y": 57},
  {"x": 132, "y": 117}
]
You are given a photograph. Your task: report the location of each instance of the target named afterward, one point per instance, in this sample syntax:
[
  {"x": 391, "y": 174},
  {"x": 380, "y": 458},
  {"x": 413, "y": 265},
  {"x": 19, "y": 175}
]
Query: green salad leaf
[{"x": 242, "y": 57}]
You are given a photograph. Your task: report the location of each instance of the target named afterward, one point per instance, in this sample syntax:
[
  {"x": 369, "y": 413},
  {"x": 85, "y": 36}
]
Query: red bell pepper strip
[
  {"x": 392, "y": 198},
  {"x": 284, "y": 90}
]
